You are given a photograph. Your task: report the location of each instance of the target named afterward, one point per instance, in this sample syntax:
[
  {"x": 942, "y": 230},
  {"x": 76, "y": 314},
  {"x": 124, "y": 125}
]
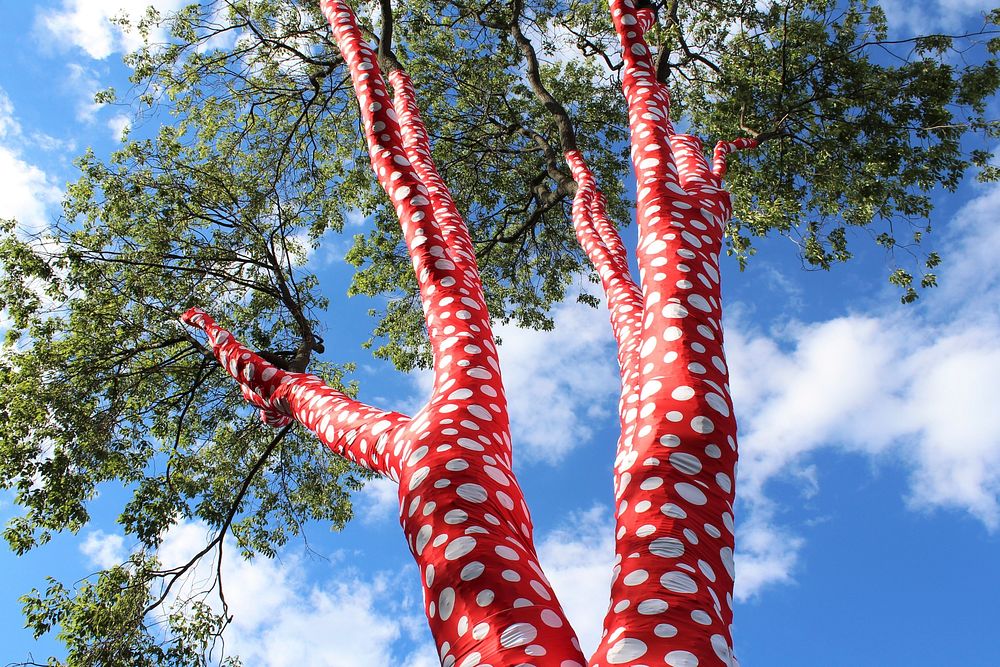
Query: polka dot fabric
[
  {"x": 463, "y": 514},
  {"x": 671, "y": 595}
]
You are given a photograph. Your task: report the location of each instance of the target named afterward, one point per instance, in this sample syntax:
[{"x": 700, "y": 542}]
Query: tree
[{"x": 193, "y": 218}]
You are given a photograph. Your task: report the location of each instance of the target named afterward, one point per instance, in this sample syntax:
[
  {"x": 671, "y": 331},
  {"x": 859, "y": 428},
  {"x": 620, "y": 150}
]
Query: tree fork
[{"x": 463, "y": 514}]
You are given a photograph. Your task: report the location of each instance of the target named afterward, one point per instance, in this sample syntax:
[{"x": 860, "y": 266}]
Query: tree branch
[{"x": 176, "y": 573}]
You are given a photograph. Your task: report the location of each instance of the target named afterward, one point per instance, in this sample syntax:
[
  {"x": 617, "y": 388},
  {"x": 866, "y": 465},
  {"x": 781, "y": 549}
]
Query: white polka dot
[
  {"x": 670, "y": 440},
  {"x": 722, "y": 479},
  {"x": 651, "y": 607},
  {"x": 418, "y": 477},
  {"x": 678, "y": 582},
  {"x": 665, "y": 630},
  {"x": 699, "y": 302},
  {"x": 446, "y": 603},
  {"x": 649, "y": 389},
  {"x": 702, "y": 425},
  {"x": 459, "y": 547},
  {"x": 667, "y": 547},
  {"x": 727, "y": 561},
  {"x": 518, "y": 634},
  {"x": 673, "y": 511},
  {"x": 645, "y": 531},
  {"x": 626, "y": 650},
  {"x": 423, "y": 537},
  {"x": 635, "y": 578},
  {"x": 472, "y": 660},
  {"x": 651, "y": 483},
  {"x": 674, "y": 311},
  {"x": 474, "y": 493},
  {"x": 551, "y": 618},
  {"x": 691, "y": 493},
  {"x": 681, "y": 659},
  {"x": 507, "y": 553},
  {"x": 685, "y": 463},
  {"x": 682, "y": 393},
  {"x": 455, "y": 517},
  {"x": 700, "y": 617},
  {"x": 718, "y": 403},
  {"x": 722, "y": 649},
  {"x": 472, "y": 570}
]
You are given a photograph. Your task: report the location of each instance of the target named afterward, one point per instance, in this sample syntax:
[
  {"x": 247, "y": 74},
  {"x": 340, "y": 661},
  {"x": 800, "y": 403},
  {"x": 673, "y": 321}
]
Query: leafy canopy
[{"x": 247, "y": 154}]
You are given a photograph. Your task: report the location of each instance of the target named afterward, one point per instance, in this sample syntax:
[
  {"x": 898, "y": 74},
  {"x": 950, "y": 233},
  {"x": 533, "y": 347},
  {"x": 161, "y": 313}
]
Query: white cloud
[
  {"x": 119, "y": 125},
  {"x": 83, "y": 82},
  {"x": 916, "y": 386},
  {"x": 9, "y": 126},
  {"x": 26, "y": 192},
  {"x": 87, "y": 24},
  {"x": 104, "y": 550},
  {"x": 578, "y": 559},
  {"x": 379, "y": 500},
  {"x": 921, "y": 18},
  {"x": 281, "y": 617},
  {"x": 557, "y": 382},
  {"x": 766, "y": 554}
]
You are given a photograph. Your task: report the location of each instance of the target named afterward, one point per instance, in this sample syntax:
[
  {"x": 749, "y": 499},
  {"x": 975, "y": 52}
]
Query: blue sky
[{"x": 869, "y": 518}]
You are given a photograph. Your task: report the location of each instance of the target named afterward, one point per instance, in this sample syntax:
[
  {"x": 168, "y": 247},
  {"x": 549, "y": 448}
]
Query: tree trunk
[
  {"x": 463, "y": 514},
  {"x": 671, "y": 596}
]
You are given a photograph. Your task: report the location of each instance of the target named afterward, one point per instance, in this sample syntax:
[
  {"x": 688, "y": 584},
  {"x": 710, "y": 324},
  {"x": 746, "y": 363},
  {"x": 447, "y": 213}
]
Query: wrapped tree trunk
[
  {"x": 464, "y": 517},
  {"x": 463, "y": 514},
  {"x": 671, "y": 595}
]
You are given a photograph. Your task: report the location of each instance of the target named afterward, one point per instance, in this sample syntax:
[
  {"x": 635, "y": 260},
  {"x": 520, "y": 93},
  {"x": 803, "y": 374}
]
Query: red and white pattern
[
  {"x": 671, "y": 597},
  {"x": 463, "y": 514}
]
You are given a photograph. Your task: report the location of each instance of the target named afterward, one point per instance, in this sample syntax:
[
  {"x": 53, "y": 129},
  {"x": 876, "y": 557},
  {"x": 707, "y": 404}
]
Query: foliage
[{"x": 246, "y": 155}]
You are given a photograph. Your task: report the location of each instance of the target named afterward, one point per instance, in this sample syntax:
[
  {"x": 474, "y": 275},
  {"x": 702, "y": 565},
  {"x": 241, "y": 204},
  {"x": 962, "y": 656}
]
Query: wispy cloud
[
  {"x": 103, "y": 550},
  {"x": 284, "y": 617},
  {"x": 920, "y": 18},
  {"x": 915, "y": 385},
  {"x": 27, "y": 193},
  {"x": 88, "y": 25},
  {"x": 578, "y": 558},
  {"x": 379, "y": 500},
  {"x": 558, "y": 383}
]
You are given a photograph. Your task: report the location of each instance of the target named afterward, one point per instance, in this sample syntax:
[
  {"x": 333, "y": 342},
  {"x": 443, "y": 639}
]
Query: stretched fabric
[{"x": 462, "y": 511}]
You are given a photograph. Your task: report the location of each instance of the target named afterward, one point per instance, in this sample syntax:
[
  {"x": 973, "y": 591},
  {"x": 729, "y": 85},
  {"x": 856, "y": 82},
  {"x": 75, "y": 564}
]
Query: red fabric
[
  {"x": 463, "y": 515},
  {"x": 671, "y": 598}
]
